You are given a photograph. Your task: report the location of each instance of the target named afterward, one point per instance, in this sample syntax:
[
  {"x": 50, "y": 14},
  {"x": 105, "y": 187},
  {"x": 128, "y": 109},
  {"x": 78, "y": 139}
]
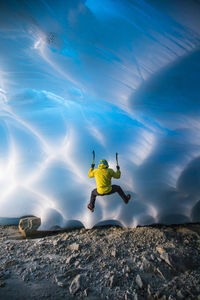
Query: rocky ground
[{"x": 157, "y": 262}]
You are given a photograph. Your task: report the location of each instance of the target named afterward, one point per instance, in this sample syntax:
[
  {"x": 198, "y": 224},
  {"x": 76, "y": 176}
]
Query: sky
[{"x": 110, "y": 76}]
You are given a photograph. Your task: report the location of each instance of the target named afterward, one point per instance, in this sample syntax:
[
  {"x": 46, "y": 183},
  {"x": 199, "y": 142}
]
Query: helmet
[{"x": 103, "y": 162}]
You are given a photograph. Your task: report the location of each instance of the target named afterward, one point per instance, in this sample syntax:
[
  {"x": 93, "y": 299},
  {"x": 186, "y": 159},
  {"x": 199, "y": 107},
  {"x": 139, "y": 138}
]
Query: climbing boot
[
  {"x": 128, "y": 197},
  {"x": 91, "y": 207}
]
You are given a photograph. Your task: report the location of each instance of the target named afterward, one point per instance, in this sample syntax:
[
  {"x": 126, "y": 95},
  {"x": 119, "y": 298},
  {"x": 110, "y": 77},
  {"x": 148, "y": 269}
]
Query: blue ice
[{"x": 110, "y": 76}]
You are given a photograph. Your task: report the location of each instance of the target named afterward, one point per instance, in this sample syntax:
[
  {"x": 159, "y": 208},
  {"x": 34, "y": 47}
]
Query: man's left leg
[{"x": 118, "y": 189}]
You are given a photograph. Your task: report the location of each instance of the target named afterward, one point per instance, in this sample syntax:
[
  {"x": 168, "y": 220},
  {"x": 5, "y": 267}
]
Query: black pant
[{"x": 115, "y": 189}]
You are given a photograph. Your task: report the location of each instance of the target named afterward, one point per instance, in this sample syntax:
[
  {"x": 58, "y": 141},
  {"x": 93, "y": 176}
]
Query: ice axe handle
[
  {"x": 117, "y": 159},
  {"x": 93, "y": 153}
]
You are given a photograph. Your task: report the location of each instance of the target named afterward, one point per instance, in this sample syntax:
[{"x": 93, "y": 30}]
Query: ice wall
[{"x": 113, "y": 76}]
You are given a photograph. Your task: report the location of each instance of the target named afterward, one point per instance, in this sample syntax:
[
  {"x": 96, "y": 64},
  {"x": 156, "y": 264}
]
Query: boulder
[{"x": 28, "y": 226}]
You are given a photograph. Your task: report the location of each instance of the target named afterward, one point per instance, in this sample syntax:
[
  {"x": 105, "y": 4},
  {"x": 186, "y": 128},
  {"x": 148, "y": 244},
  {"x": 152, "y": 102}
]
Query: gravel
[{"x": 155, "y": 262}]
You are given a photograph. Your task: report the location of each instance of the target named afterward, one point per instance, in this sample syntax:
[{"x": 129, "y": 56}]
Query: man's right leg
[{"x": 92, "y": 199}]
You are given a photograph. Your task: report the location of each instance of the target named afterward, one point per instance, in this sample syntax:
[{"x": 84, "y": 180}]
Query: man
[{"x": 103, "y": 176}]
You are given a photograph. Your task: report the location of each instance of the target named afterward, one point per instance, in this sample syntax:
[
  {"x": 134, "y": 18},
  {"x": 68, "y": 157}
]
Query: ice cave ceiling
[{"x": 111, "y": 76}]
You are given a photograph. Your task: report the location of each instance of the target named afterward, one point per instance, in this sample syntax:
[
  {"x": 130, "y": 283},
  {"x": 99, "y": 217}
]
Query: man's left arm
[{"x": 116, "y": 174}]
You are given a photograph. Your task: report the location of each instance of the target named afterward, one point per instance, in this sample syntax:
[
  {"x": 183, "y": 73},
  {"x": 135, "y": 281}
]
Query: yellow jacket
[{"x": 103, "y": 176}]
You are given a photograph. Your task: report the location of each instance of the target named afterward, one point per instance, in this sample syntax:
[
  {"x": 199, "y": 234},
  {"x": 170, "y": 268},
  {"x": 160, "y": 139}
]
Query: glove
[
  {"x": 92, "y": 166},
  {"x": 118, "y": 168}
]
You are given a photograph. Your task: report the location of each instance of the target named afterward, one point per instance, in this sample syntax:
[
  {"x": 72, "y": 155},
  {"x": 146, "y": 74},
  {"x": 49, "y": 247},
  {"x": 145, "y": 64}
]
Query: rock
[
  {"x": 60, "y": 281},
  {"x": 139, "y": 282},
  {"x": 28, "y": 226},
  {"x": 113, "y": 281},
  {"x": 149, "y": 289},
  {"x": 76, "y": 284},
  {"x": 74, "y": 247},
  {"x": 180, "y": 295},
  {"x": 76, "y": 263},
  {"x": 160, "y": 250},
  {"x": 56, "y": 242},
  {"x": 114, "y": 253},
  {"x": 25, "y": 277},
  {"x": 164, "y": 256},
  {"x": 135, "y": 297},
  {"x": 146, "y": 265},
  {"x": 127, "y": 296},
  {"x": 65, "y": 236},
  {"x": 86, "y": 292},
  {"x": 160, "y": 273}
]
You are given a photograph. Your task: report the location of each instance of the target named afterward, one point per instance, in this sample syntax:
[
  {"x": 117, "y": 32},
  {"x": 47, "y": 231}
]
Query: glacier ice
[{"x": 113, "y": 76}]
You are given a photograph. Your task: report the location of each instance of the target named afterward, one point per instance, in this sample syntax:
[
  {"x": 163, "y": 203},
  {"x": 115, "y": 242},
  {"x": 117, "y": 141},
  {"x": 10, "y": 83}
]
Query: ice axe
[
  {"x": 93, "y": 158},
  {"x": 117, "y": 160},
  {"x": 93, "y": 154}
]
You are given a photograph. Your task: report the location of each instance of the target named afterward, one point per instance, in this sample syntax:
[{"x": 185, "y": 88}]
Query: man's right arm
[{"x": 91, "y": 173}]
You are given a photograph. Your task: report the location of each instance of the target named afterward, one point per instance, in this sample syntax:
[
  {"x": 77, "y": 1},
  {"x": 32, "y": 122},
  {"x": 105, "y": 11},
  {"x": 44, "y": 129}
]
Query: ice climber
[{"x": 103, "y": 176}]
